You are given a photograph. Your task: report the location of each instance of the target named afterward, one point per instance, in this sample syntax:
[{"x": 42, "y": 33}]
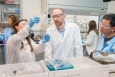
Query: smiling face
[
  {"x": 58, "y": 17},
  {"x": 21, "y": 25}
]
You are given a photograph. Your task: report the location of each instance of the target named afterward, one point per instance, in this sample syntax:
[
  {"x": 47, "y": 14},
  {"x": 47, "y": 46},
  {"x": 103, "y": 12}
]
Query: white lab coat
[
  {"x": 17, "y": 55},
  {"x": 91, "y": 41},
  {"x": 68, "y": 46}
]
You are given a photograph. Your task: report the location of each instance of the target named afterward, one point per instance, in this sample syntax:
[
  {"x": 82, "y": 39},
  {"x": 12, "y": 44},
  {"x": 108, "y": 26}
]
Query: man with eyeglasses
[
  {"x": 107, "y": 28},
  {"x": 65, "y": 37}
]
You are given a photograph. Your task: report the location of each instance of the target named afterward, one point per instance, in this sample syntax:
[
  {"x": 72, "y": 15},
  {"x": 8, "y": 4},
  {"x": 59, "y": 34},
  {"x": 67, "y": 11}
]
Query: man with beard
[
  {"x": 65, "y": 37},
  {"x": 107, "y": 28}
]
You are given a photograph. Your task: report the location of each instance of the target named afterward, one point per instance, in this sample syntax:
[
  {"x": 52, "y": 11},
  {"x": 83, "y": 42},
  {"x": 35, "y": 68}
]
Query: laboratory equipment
[
  {"x": 83, "y": 67},
  {"x": 103, "y": 57},
  {"x": 58, "y": 64}
]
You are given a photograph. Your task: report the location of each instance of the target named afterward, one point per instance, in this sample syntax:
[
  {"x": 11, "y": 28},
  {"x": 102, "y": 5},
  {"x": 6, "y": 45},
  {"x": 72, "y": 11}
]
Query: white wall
[
  {"x": 38, "y": 8},
  {"x": 30, "y": 8},
  {"x": 95, "y": 18},
  {"x": 80, "y": 7},
  {"x": 90, "y": 3},
  {"x": 111, "y": 7}
]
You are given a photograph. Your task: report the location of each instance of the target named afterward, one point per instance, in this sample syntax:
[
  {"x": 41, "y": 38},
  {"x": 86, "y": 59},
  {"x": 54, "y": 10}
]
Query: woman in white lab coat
[
  {"x": 92, "y": 38},
  {"x": 20, "y": 47}
]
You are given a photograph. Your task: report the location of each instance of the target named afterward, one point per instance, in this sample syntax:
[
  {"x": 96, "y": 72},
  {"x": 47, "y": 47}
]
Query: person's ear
[
  {"x": 113, "y": 29},
  {"x": 16, "y": 27},
  {"x": 64, "y": 15}
]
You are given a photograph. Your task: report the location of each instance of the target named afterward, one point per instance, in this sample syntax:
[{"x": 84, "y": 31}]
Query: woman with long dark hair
[
  {"x": 92, "y": 37},
  {"x": 12, "y": 19},
  {"x": 20, "y": 47}
]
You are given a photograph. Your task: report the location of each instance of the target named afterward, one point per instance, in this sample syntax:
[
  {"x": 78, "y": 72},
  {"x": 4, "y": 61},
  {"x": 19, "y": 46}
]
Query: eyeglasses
[
  {"x": 23, "y": 23},
  {"x": 105, "y": 25},
  {"x": 56, "y": 16}
]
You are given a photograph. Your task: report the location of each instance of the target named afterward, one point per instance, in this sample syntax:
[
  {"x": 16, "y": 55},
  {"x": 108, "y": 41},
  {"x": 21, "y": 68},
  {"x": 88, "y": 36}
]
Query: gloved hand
[
  {"x": 34, "y": 20},
  {"x": 46, "y": 38}
]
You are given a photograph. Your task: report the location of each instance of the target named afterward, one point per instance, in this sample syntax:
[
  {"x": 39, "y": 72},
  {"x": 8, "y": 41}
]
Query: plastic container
[
  {"x": 11, "y": 9},
  {"x": 17, "y": 10}
]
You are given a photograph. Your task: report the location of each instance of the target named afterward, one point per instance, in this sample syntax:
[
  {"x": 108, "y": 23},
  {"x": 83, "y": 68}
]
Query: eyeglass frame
[
  {"x": 105, "y": 26},
  {"x": 57, "y": 16},
  {"x": 22, "y": 23}
]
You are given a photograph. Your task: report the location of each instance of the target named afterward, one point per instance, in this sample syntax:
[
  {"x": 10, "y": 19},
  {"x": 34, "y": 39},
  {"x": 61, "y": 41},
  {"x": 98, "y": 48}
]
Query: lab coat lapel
[
  {"x": 56, "y": 32},
  {"x": 67, "y": 30}
]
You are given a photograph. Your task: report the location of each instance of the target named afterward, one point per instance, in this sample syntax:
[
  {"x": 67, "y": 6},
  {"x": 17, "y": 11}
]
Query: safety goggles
[
  {"x": 105, "y": 25},
  {"x": 23, "y": 23},
  {"x": 56, "y": 16}
]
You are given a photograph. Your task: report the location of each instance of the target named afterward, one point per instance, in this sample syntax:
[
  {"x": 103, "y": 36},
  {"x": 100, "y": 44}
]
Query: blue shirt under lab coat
[
  {"x": 6, "y": 34},
  {"x": 108, "y": 46}
]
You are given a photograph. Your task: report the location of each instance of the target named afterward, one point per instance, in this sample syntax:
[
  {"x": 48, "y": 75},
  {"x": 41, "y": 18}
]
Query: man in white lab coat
[{"x": 65, "y": 37}]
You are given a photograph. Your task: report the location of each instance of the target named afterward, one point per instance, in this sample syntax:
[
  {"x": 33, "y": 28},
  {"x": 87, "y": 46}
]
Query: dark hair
[
  {"x": 92, "y": 26},
  {"x": 111, "y": 17},
  {"x": 14, "y": 19},
  {"x": 27, "y": 38},
  {"x": 16, "y": 24}
]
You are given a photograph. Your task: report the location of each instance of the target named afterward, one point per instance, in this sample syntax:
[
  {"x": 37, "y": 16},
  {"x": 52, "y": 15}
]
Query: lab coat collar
[
  {"x": 103, "y": 36},
  {"x": 109, "y": 42},
  {"x": 67, "y": 29},
  {"x": 64, "y": 27},
  {"x": 54, "y": 27}
]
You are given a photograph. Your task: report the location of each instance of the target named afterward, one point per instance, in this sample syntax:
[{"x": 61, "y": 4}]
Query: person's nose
[
  {"x": 24, "y": 25},
  {"x": 55, "y": 19},
  {"x": 101, "y": 26}
]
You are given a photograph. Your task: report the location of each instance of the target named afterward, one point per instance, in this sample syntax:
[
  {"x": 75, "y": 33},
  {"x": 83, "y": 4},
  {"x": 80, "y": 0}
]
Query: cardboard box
[
  {"x": 4, "y": 70},
  {"x": 112, "y": 74},
  {"x": 7, "y": 70},
  {"x": 83, "y": 67},
  {"x": 108, "y": 70},
  {"x": 111, "y": 70},
  {"x": 20, "y": 65}
]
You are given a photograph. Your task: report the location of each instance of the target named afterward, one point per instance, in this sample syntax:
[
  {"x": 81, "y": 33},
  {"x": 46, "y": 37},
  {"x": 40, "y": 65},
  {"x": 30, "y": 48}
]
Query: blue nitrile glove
[
  {"x": 34, "y": 20},
  {"x": 46, "y": 38}
]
